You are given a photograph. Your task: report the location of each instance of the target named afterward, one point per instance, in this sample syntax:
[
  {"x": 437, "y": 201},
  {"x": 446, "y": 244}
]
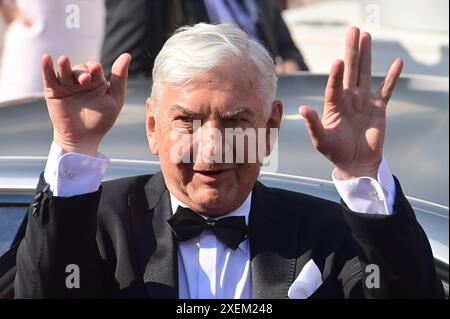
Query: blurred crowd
[{"x": 86, "y": 30}]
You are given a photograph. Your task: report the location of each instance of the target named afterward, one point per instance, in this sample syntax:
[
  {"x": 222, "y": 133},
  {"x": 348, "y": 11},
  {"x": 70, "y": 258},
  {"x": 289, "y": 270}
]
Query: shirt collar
[{"x": 243, "y": 210}]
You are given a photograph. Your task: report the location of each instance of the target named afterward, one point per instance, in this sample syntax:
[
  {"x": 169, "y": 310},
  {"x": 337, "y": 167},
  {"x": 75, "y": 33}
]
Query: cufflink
[
  {"x": 67, "y": 174},
  {"x": 375, "y": 196}
]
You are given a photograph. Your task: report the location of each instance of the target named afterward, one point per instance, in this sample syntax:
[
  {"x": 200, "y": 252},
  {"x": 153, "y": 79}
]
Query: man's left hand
[{"x": 353, "y": 125}]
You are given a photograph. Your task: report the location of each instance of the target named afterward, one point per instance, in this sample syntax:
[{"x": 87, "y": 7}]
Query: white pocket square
[{"x": 307, "y": 282}]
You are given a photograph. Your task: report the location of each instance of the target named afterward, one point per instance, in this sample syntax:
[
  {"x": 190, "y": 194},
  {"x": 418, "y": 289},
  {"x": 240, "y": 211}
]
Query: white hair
[{"x": 193, "y": 50}]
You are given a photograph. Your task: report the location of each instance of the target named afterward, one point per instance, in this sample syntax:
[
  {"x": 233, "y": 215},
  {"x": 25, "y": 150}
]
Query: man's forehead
[
  {"x": 230, "y": 73},
  {"x": 199, "y": 97},
  {"x": 223, "y": 90}
]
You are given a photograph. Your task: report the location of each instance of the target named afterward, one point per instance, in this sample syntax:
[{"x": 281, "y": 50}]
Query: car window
[{"x": 11, "y": 218}]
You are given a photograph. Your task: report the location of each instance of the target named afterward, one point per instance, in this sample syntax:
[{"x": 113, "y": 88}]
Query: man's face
[{"x": 191, "y": 137}]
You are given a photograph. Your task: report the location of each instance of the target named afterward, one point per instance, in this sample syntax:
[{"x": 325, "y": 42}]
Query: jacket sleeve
[
  {"x": 287, "y": 48},
  {"x": 58, "y": 257},
  {"x": 393, "y": 253},
  {"x": 276, "y": 35}
]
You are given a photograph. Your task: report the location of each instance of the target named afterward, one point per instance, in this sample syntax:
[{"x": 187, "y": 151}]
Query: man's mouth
[
  {"x": 211, "y": 176},
  {"x": 213, "y": 172}
]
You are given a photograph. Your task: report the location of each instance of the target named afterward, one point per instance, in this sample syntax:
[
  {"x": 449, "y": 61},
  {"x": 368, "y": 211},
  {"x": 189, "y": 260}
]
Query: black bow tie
[{"x": 187, "y": 224}]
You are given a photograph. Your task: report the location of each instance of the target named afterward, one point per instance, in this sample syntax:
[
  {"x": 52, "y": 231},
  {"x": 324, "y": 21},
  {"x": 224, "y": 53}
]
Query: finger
[
  {"x": 65, "y": 71},
  {"x": 279, "y": 68},
  {"x": 290, "y": 66},
  {"x": 48, "y": 72},
  {"x": 365, "y": 61},
  {"x": 334, "y": 88},
  {"x": 314, "y": 126},
  {"x": 81, "y": 74},
  {"x": 351, "y": 58},
  {"x": 96, "y": 71},
  {"x": 387, "y": 87},
  {"x": 119, "y": 75}
]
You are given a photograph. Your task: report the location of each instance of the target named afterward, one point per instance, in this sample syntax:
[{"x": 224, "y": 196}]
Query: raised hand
[
  {"x": 82, "y": 105},
  {"x": 352, "y": 129}
]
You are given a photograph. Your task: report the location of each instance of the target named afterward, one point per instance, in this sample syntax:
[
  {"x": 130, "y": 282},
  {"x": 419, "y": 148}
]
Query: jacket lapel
[
  {"x": 273, "y": 241},
  {"x": 156, "y": 249}
]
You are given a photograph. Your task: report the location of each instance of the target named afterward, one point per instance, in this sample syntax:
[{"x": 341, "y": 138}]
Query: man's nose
[{"x": 210, "y": 144}]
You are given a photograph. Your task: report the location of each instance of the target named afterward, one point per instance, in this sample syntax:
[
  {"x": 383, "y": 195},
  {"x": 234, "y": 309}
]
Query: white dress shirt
[{"x": 207, "y": 268}]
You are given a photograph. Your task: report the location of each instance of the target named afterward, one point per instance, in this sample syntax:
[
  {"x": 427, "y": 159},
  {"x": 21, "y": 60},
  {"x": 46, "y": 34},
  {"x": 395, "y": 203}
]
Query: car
[{"x": 416, "y": 149}]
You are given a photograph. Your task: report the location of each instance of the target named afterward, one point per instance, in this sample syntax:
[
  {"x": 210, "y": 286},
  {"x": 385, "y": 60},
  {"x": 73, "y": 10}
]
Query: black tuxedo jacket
[{"x": 120, "y": 240}]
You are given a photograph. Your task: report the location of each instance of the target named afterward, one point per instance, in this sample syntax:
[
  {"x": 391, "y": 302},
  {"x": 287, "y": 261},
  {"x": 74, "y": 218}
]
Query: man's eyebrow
[
  {"x": 236, "y": 113},
  {"x": 184, "y": 110}
]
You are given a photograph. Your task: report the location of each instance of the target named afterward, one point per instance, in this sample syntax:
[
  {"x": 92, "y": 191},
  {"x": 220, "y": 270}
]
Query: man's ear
[
  {"x": 150, "y": 123},
  {"x": 274, "y": 122}
]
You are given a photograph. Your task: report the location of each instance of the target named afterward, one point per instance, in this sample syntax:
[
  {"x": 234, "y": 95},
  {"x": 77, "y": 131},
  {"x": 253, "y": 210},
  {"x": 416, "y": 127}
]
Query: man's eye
[
  {"x": 185, "y": 119},
  {"x": 233, "y": 120}
]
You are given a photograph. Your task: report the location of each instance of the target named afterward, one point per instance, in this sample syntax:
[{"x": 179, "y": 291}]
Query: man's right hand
[{"x": 82, "y": 105}]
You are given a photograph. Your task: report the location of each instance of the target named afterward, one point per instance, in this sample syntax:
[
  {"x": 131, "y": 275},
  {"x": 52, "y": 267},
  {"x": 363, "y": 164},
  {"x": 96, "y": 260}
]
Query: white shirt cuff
[
  {"x": 74, "y": 174},
  {"x": 366, "y": 195}
]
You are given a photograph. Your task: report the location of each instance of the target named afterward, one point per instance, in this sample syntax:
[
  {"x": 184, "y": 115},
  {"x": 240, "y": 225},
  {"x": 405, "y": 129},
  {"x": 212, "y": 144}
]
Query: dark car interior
[{"x": 13, "y": 223}]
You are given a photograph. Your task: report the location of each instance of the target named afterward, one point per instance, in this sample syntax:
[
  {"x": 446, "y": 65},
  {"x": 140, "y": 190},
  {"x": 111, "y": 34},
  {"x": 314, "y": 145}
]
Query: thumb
[
  {"x": 119, "y": 75},
  {"x": 314, "y": 125}
]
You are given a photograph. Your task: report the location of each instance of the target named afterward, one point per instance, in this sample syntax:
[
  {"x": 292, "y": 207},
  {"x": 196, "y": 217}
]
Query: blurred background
[
  {"x": 304, "y": 36},
  {"x": 416, "y": 30}
]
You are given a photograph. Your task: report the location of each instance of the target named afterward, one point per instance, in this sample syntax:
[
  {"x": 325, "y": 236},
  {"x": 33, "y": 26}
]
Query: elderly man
[{"x": 204, "y": 227}]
